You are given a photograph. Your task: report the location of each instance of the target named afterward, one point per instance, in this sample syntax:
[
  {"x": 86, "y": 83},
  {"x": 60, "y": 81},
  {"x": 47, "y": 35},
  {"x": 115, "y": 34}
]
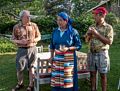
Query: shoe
[
  {"x": 18, "y": 87},
  {"x": 30, "y": 88}
]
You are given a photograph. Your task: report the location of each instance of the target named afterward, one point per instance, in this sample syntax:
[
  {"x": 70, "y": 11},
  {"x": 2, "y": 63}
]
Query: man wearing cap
[
  {"x": 25, "y": 35},
  {"x": 100, "y": 37}
]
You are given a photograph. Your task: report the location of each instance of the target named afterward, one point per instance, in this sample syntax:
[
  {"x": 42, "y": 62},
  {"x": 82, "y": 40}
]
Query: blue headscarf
[{"x": 65, "y": 16}]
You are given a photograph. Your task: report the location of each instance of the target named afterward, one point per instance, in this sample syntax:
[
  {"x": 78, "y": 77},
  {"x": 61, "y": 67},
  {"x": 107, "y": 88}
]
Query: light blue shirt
[{"x": 61, "y": 32}]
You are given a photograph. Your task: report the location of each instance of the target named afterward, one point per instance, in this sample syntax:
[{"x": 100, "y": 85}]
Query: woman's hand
[
  {"x": 50, "y": 60},
  {"x": 64, "y": 49}
]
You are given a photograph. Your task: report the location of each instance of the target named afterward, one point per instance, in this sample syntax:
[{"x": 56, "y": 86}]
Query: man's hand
[
  {"x": 31, "y": 41},
  {"x": 93, "y": 31},
  {"x": 88, "y": 36},
  {"x": 24, "y": 41}
]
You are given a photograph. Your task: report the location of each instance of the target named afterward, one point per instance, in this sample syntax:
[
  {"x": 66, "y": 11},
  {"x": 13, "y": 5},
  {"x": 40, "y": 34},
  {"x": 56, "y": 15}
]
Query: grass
[{"x": 8, "y": 73}]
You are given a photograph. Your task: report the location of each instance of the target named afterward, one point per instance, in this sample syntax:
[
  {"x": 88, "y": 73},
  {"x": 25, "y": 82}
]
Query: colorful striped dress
[
  {"x": 62, "y": 70},
  {"x": 64, "y": 64}
]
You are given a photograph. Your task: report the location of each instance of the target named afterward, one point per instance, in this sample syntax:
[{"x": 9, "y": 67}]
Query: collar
[
  {"x": 28, "y": 24},
  {"x": 103, "y": 24},
  {"x": 61, "y": 30}
]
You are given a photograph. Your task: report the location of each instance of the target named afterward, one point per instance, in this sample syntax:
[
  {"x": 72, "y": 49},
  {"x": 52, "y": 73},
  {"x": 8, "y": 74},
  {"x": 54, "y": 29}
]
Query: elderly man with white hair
[{"x": 25, "y": 35}]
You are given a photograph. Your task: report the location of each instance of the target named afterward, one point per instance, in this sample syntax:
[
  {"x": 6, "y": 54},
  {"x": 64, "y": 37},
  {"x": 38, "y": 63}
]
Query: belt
[
  {"x": 97, "y": 51},
  {"x": 26, "y": 47}
]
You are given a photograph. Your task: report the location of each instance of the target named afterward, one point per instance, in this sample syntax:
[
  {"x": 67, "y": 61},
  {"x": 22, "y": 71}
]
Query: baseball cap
[{"x": 100, "y": 10}]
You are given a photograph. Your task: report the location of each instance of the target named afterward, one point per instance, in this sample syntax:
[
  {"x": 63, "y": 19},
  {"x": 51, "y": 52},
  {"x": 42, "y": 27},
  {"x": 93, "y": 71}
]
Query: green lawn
[{"x": 8, "y": 72}]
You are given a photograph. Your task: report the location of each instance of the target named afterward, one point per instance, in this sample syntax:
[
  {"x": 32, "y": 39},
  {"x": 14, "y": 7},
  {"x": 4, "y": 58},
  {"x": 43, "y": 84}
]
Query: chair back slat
[{"x": 44, "y": 66}]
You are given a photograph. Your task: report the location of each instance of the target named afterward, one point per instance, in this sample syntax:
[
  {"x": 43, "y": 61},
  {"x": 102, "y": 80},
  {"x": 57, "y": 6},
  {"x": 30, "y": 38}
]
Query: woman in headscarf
[{"x": 65, "y": 41}]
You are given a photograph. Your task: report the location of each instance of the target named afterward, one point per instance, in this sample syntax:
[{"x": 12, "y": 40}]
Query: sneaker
[{"x": 17, "y": 87}]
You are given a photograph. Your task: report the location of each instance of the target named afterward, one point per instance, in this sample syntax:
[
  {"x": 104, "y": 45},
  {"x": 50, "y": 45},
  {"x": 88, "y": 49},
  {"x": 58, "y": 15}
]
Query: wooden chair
[
  {"x": 42, "y": 68},
  {"x": 83, "y": 71},
  {"x": 42, "y": 73}
]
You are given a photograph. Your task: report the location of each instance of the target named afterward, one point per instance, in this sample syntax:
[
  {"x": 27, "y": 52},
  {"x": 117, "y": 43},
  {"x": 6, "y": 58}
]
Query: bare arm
[
  {"x": 105, "y": 39},
  {"x": 52, "y": 53},
  {"x": 37, "y": 34}
]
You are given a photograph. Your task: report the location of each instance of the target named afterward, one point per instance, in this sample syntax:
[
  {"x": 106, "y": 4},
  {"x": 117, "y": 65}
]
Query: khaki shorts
[
  {"x": 25, "y": 58},
  {"x": 99, "y": 61}
]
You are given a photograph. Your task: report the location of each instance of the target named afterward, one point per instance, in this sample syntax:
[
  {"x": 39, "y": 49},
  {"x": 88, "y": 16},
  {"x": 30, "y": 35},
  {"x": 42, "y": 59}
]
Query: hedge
[
  {"x": 47, "y": 24},
  {"x": 6, "y": 45}
]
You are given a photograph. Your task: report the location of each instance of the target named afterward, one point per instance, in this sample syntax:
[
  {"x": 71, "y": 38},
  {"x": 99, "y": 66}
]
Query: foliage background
[{"x": 46, "y": 22}]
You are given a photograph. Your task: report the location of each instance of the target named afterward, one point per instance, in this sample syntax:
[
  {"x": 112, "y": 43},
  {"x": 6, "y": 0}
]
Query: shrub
[
  {"x": 115, "y": 22},
  {"x": 82, "y": 23},
  {"x": 111, "y": 19},
  {"x": 6, "y": 45},
  {"x": 116, "y": 29},
  {"x": 46, "y": 24}
]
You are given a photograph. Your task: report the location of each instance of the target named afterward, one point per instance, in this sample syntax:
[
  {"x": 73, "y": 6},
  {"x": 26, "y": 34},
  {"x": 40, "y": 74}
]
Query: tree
[
  {"x": 54, "y": 6},
  {"x": 82, "y": 6},
  {"x": 9, "y": 11}
]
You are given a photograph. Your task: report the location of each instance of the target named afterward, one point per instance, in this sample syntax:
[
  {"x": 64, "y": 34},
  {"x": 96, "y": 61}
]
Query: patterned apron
[{"x": 62, "y": 70}]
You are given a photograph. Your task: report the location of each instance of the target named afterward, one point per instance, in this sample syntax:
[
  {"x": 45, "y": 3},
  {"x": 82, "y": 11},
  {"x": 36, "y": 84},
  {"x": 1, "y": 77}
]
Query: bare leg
[
  {"x": 93, "y": 80},
  {"x": 20, "y": 77},
  {"x": 20, "y": 81},
  {"x": 30, "y": 77},
  {"x": 103, "y": 82},
  {"x": 30, "y": 87}
]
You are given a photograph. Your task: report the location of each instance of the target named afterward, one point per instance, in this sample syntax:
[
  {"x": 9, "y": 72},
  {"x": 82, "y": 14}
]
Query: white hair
[{"x": 23, "y": 12}]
